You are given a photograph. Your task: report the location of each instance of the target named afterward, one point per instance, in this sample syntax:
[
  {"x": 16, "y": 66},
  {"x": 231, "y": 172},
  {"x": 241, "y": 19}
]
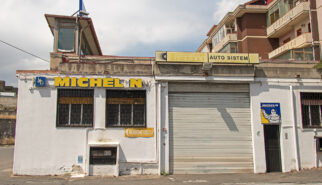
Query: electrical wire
[{"x": 23, "y": 51}]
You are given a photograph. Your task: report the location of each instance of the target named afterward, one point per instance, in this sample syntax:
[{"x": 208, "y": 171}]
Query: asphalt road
[{"x": 312, "y": 177}]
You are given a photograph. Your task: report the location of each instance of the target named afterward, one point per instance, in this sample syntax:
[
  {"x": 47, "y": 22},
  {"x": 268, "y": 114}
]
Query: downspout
[
  {"x": 313, "y": 45},
  {"x": 86, "y": 157},
  {"x": 297, "y": 164}
]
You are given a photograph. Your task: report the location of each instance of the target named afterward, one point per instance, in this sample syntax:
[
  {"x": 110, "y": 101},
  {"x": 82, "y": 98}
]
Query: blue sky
[{"x": 123, "y": 27}]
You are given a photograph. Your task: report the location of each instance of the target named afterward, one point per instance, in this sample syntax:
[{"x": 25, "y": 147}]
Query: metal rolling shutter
[{"x": 210, "y": 133}]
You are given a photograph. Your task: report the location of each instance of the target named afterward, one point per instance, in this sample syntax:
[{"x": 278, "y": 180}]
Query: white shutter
[{"x": 210, "y": 133}]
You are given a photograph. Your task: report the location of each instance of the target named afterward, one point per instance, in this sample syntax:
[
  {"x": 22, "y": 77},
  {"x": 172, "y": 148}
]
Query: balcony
[
  {"x": 285, "y": 24},
  {"x": 231, "y": 37},
  {"x": 299, "y": 42}
]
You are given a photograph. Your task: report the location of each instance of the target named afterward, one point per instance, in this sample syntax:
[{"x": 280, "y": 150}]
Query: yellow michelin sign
[
  {"x": 95, "y": 82},
  {"x": 139, "y": 132},
  {"x": 244, "y": 58}
]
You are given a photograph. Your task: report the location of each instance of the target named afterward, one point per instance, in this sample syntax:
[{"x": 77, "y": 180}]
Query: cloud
[{"x": 225, "y": 6}]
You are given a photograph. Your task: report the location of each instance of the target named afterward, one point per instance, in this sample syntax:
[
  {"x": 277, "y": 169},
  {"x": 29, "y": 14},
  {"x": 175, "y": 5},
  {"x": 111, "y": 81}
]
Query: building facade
[
  {"x": 178, "y": 113},
  {"x": 288, "y": 30}
]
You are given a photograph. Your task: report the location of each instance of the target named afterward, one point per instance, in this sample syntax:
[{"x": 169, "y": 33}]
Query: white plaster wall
[
  {"x": 43, "y": 149},
  {"x": 164, "y": 166},
  {"x": 309, "y": 158},
  {"x": 279, "y": 92},
  {"x": 265, "y": 93},
  {"x": 40, "y": 147},
  {"x": 303, "y": 25}
]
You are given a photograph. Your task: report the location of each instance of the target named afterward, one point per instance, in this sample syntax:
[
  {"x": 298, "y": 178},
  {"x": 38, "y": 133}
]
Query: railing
[
  {"x": 228, "y": 38},
  {"x": 288, "y": 17},
  {"x": 298, "y": 42}
]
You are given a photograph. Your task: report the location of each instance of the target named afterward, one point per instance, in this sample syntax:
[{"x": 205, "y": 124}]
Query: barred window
[
  {"x": 75, "y": 107},
  {"x": 125, "y": 108},
  {"x": 311, "y": 105},
  {"x": 103, "y": 155}
]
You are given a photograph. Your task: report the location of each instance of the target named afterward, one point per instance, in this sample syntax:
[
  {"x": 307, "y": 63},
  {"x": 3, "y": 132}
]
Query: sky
[{"x": 123, "y": 27}]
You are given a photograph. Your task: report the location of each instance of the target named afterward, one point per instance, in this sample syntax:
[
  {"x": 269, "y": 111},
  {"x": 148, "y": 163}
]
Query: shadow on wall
[{"x": 228, "y": 119}]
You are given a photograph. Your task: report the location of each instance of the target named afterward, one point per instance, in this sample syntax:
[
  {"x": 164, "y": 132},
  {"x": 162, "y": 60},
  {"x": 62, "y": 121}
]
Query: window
[
  {"x": 299, "y": 32},
  {"x": 75, "y": 107},
  {"x": 102, "y": 155},
  {"x": 125, "y": 108},
  {"x": 319, "y": 144},
  {"x": 286, "y": 40},
  {"x": 311, "y": 104},
  {"x": 274, "y": 16},
  {"x": 66, "y": 37},
  {"x": 309, "y": 27},
  {"x": 303, "y": 54}
]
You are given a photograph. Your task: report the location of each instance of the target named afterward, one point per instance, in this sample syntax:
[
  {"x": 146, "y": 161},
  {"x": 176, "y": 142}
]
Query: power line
[{"x": 24, "y": 51}]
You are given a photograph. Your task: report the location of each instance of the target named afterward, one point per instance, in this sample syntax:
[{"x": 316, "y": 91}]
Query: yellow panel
[
  {"x": 264, "y": 120},
  {"x": 187, "y": 57},
  {"x": 75, "y": 100},
  {"x": 126, "y": 100},
  {"x": 163, "y": 56},
  {"x": 234, "y": 58},
  {"x": 160, "y": 56},
  {"x": 139, "y": 132}
]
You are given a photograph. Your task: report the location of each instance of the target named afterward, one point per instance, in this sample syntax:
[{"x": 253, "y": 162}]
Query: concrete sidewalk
[{"x": 312, "y": 177}]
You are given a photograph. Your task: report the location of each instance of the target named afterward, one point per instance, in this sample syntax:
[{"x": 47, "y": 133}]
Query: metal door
[
  {"x": 272, "y": 148},
  {"x": 210, "y": 133}
]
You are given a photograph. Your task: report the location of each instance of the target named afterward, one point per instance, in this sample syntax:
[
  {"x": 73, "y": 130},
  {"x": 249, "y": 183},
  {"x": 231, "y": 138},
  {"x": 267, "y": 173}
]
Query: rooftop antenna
[{"x": 82, "y": 10}]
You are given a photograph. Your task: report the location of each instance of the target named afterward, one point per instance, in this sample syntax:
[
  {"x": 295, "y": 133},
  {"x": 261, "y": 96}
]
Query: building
[
  {"x": 177, "y": 113},
  {"x": 276, "y": 29},
  {"x": 8, "y": 107}
]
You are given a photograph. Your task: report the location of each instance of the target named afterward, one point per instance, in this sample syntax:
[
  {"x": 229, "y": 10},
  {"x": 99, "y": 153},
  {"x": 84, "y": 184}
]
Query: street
[{"x": 312, "y": 177}]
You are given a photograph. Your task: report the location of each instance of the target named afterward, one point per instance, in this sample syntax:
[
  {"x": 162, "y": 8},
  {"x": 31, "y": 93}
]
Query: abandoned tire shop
[{"x": 210, "y": 128}]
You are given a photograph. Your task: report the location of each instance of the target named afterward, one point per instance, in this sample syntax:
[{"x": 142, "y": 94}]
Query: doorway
[{"x": 272, "y": 148}]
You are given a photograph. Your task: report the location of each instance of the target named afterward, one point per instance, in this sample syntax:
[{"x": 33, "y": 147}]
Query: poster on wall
[{"x": 270, "y": 113}]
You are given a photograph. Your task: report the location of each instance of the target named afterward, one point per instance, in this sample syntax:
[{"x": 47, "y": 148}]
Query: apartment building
[{"x": 278, "y": 29}]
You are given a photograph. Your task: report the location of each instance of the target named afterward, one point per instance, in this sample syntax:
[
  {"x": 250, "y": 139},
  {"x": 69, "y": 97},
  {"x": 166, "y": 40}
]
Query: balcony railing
[
  {"x": 299, "y": 42},
  {"x": 285, "y": 23},
  {"x": 231, "y": 37}
]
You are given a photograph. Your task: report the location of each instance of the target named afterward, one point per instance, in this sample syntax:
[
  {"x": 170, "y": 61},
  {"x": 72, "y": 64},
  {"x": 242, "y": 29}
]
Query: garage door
[{"x": 210, "y": 133}]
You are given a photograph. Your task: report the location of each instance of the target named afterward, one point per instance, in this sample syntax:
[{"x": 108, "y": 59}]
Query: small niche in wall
[{"x": 103, "y": 155}]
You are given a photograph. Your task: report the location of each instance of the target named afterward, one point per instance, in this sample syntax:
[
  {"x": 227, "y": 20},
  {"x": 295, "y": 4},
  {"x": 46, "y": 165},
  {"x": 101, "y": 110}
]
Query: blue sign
[
  {"x": 270, "y": 113},
  {"x": 80, "y": 159},
  {"x": 40, "y": 81}
]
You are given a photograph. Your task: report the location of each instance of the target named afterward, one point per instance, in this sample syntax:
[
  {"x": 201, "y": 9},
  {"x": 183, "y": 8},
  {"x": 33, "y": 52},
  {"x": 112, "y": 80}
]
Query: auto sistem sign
[{"x": 243, "y": 58}]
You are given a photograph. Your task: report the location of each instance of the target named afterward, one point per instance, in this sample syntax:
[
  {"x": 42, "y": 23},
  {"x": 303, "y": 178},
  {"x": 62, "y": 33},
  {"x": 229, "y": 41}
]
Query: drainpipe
[
  {"x": 297, "y": 164},
  {"x": 156, "y": 126},
  {"x": 159, "y": 127},
  {"x": 313, "y": 45}
]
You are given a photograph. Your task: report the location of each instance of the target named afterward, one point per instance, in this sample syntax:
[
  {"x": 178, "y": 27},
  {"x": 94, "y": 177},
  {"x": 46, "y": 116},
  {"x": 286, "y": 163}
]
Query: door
[
  {"x": 210, "y": 133},
  {"x": 272, "y": 148}
]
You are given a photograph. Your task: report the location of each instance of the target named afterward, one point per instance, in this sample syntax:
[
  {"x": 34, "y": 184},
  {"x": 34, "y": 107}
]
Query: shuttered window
[
  {"x": 125, "y": 108},
  {"x": 75, "y": 108},
  {"x": 311, "y": 104}
]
